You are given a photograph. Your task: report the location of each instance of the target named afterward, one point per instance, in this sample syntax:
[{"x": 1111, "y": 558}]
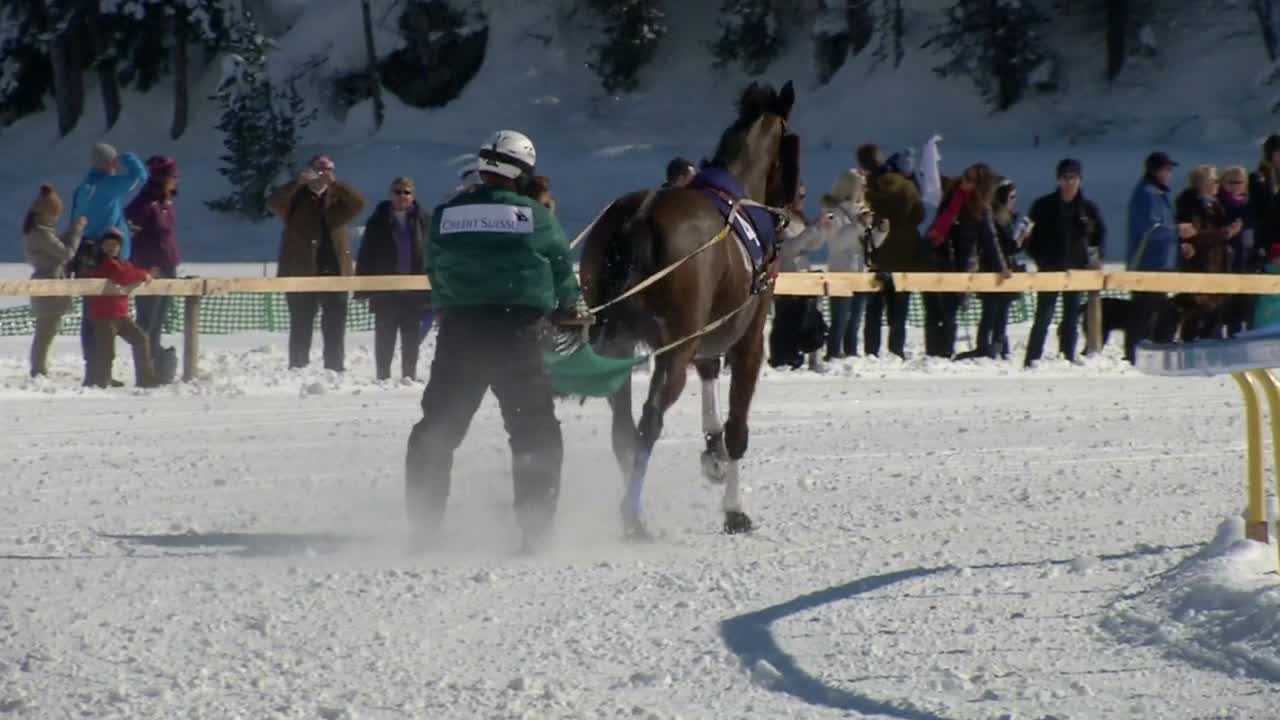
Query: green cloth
[
  {"x": 1267, "y": 310},
  {"x": 496, "y": 247},
  {"x": 583, "y": 373}
]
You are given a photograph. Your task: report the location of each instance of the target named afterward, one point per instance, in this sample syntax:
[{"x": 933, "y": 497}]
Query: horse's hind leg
[
  {"x": 745, "y": 359},
  {"x": 664, "y": 389},
  {"x": 715, "y": 457},
  {"x": 625, "y": 436}
]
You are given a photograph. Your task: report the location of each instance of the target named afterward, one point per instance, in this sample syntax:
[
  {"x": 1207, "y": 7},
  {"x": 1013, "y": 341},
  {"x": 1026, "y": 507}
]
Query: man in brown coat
[
  {"x": 316, "y": 210},
  {"x": 894, "y": 197}
]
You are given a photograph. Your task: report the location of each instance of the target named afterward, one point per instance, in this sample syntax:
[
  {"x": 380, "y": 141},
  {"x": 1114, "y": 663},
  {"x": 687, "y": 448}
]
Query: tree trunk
[
  {"x": 862, "y": 25},
  {"x": 375, "y": 84},
  {"x": 1267, "y": 23},
  {"x": 181, "y": 80},
  {"x": 105, "y": 65},
  {"x": 1117, "y": 15},
  {"x": 68, "y": 81}
]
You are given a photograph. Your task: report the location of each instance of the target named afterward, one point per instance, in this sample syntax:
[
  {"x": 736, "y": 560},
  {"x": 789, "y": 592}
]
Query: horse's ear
[{"x": 786, "y": 98}]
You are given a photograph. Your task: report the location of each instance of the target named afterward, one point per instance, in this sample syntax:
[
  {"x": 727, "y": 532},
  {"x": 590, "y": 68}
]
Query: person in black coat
[
  {"x": 999, "y": 256},
  {"x": 394, "y": 242},
  {"x": 1068, "y": 234}
]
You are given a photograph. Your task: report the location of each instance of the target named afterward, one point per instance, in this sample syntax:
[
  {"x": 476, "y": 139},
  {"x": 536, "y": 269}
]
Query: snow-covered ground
[{"x": 935, "y": 541}]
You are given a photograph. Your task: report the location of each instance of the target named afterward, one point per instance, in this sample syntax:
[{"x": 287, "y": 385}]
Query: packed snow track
[{"x": 932, "y": 543}]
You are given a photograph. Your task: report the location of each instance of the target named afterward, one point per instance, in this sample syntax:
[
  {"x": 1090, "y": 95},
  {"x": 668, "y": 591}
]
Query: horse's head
[{"x": 759, "y": 147}]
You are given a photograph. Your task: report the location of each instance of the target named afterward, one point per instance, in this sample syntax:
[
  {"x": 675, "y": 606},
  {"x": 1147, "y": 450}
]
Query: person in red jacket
[{"x": 109, "y": 315}]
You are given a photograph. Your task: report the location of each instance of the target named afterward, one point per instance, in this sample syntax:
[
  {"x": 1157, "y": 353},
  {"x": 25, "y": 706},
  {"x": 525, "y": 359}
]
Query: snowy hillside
[{"x": 1199, "y": 95}]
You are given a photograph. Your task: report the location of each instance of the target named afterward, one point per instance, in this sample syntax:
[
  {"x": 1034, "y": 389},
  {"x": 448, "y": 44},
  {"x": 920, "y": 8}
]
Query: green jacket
[{"x": 496, "y": 247}]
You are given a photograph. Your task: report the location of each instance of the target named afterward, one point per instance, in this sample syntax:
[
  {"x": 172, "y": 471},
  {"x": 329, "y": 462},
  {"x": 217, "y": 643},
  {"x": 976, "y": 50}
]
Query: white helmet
[{"x": 509, "y": 154}]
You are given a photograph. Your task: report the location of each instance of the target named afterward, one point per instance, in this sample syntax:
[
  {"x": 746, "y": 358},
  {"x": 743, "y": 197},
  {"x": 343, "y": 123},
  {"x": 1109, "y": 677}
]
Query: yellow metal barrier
[{"x": 1256, "y": 510}]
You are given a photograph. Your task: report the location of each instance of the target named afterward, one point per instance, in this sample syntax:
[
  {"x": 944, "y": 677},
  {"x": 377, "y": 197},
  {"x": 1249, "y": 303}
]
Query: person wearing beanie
[
  {"x": 316, "y": 209},
  {"x": 100, "y": 198},
  {"x": 1067, "y": 233},
  {"x": 110, "y": 314},
  {"x": 680, "y": 173},
  {"x": 1157, "y": 242},
  {"x": 48, "y": 254},
  {"x": 154, "y": 214}
]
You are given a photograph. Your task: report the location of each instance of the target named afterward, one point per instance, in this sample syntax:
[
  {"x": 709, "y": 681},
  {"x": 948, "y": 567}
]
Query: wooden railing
[{"x": 820, "y": 284}]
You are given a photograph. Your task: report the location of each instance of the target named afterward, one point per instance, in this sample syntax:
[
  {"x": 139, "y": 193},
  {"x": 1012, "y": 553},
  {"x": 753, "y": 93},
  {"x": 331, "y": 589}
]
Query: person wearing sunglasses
[
  {"x": 394, "y": 243},
  {"x": 316, "y": 209}
]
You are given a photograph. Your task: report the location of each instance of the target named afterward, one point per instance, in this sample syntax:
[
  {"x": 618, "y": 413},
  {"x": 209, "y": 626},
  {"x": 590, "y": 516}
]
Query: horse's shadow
[
  {"x": 750, "y": 636},
  {"x": 244, "y": 544}
]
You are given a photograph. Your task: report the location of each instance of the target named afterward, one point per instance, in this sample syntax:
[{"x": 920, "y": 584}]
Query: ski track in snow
[{"x": 935, "y": 541}]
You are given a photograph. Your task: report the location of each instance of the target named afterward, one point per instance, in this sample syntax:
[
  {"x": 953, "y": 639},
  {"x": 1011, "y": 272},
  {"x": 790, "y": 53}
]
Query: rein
[
  {"x": 724, "y": 233},
  {"x": 718, "y": 237}
]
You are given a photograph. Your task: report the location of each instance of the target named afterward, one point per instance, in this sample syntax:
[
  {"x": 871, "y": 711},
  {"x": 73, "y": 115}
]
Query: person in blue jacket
[
  {"x": 101, "y": 198},
  {"x": 1157, "y": 242}
]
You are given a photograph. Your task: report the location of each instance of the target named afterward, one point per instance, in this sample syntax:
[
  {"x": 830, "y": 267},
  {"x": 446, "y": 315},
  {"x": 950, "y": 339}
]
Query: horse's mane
[{"x": 755, "y": 101}]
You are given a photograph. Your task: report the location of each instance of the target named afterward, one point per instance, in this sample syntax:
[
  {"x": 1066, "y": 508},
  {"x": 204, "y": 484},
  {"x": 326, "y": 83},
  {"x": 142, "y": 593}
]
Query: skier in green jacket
[{"x": 499, "y": 268}]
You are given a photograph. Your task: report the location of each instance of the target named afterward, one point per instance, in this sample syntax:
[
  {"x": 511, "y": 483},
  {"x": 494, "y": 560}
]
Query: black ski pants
[{"x": 477, "y": 350}]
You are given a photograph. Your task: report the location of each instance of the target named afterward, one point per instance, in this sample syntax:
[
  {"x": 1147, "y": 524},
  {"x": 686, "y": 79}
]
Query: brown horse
[{"x": 644, "y": 232}]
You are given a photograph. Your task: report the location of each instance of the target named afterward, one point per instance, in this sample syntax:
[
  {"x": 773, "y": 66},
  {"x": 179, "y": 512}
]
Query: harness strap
[
  {"x": 715, "y": 325},
  {"x": 724, "y": 233}
]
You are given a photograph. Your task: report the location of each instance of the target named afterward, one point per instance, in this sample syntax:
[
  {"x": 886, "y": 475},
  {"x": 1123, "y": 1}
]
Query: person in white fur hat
[{"x": 853, "y": 235}]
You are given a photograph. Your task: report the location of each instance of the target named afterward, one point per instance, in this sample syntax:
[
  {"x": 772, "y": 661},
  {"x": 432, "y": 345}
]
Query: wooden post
[
  {"x": 1093, "y": 323},
  {"x": 190, "y": 338}
]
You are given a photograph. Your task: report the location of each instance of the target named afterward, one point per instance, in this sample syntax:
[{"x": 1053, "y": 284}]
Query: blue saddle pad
[{"x": 755, "y": 227}]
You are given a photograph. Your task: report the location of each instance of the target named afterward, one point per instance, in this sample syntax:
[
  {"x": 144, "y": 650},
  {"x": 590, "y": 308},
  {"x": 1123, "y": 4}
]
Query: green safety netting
[{"x": 265, "y": 312}]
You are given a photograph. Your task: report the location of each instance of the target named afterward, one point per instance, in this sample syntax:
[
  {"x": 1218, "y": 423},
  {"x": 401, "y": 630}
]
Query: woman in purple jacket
[
  {"x": 155, "y": 246},
  {"x": 394, "y": 243}
]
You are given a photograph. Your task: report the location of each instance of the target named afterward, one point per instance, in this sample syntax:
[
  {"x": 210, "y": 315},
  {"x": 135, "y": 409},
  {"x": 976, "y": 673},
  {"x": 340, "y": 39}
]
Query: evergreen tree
[
  {"x": 891, "y": 28},
  {"x": 749, "y": 34},
  {"x": 633, "y": 29},
  {"x": 261, "y": 124},
  {"x": 841, "y": 28},
  {"x": 25, "y": 75},
  {"x": 995, "y": 43}
]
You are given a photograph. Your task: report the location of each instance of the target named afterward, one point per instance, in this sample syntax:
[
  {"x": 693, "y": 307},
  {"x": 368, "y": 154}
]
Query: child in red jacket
[{"x": 110, "y": 315}]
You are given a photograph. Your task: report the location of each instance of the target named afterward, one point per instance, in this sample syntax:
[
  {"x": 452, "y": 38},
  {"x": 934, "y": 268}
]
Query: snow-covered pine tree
[
  {"x": 261, "y": 124},
  {"x": 750, "y": 34},
  {"x": 994, "y": 42},
  {"x": 840, "y": 29},
  {"x": 25, "y": 74},
  {"x": 891, "y": 29},
  {"x": 632, "y": 31}
]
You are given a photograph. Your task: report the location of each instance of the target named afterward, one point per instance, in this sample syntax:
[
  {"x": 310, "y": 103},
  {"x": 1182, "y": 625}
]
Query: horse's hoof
[
  {"x": 713, "y": 467},
  {"x": 736, "y": 522},
  {"x": 637, "y": 533},
  {"x": 634, "y": 530}
]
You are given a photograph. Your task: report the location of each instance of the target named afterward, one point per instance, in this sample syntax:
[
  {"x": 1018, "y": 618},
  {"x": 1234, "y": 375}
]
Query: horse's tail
[{"x": 626, "y": 258}]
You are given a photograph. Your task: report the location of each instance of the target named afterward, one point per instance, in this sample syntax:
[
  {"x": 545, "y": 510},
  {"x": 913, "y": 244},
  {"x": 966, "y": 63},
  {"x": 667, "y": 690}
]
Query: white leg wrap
[
  {"x": 710, "y": 406},
  {"x": 732, "y": 501}
]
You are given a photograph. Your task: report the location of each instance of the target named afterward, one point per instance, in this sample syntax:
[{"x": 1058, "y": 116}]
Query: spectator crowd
[
  {"x": 874, "y": 220},
  {"x": 121, "y": 225}
]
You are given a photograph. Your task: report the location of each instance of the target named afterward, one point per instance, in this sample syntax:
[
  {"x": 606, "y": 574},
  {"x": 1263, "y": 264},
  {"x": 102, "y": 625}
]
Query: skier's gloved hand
[{"x": 575, "y": 314}]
